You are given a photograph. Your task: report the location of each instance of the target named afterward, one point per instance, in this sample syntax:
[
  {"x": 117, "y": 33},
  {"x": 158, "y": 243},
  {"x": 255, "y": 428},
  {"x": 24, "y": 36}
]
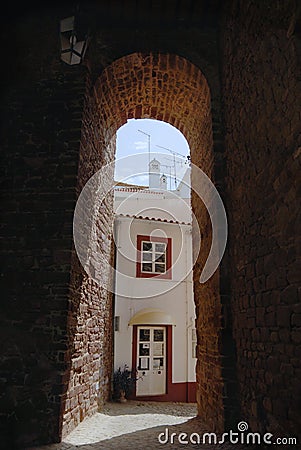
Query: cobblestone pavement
[{"x": 137, "y": 425}]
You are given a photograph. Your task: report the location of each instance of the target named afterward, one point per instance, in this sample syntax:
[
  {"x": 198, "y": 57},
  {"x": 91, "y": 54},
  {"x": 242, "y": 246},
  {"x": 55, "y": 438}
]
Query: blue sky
[{"x": 131, "y": 141}]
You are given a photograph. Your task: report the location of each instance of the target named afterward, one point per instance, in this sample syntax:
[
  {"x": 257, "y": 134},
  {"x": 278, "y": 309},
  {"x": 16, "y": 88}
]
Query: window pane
[
  {"x": 144, "y": 335},
  {"x": 194, "y": 350},
  {"x": 160, "y": 268},
  {"x": 158, "y": 349},
  {"x": 160, "y": 257},
  {"x": 147, "y": 256},
  {"x": 147, "y": 246},
  {"x": 147, "y": 267},
  {"x": 143, "y": 351},
  {"x": 158, "y": 363},
  {"x": 143, "y": 363},
  {"x": 158, "y": 335},
  {"x": 160, "y": 248}
]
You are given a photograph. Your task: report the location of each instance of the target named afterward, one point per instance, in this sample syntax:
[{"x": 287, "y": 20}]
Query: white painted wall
[
  {"x": 135, "y": 211},
  {"x": 152, "y": 203},
  {"x": 177, "y": 300}
]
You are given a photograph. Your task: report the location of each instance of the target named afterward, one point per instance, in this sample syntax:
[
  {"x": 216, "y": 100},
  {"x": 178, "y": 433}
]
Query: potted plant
[{"x": 123, "y": 383}]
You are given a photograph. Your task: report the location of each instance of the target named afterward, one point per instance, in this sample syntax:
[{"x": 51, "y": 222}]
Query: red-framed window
[{"x": 153, "y": 257}]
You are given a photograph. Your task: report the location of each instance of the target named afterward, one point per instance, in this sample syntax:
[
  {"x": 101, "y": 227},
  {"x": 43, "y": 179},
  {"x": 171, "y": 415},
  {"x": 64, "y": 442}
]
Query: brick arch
[
  {"x": 157, "y": 86},
  {"x": 163, "y": 87}
]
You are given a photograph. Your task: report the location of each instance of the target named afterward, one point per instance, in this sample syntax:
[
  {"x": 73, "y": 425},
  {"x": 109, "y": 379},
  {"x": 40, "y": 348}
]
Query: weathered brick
[
  {"x": 53, "y": 144},
  {"x": 284, "y": 316},
  {"x": 263, "y": 211},
  {"x": 289, "y": 295},
  {"x": 296, "y": 320}
]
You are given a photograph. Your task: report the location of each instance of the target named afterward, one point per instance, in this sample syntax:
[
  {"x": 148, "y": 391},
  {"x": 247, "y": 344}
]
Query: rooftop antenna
[
  {"x": 148, "y": 140},
  {"x": 174, "y": 160}
]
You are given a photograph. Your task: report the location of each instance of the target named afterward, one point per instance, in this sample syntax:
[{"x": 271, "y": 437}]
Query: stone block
[
  {"x": 283, "y": 314},
  {"x": 289, "y": 295}
]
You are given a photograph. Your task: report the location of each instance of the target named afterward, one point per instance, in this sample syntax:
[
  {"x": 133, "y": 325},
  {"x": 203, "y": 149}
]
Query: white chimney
[
  {"x": 154, "y": 174},
  {"x": 163, "y": 182}
]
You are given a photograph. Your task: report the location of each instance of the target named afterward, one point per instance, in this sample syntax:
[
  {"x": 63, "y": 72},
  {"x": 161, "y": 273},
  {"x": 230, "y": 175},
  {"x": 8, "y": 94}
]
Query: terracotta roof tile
[{"x": 152, "y": 218}]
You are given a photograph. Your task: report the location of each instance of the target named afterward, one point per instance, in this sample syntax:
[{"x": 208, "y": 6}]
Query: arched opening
[
  {"x": 153, "y": 139},
  {"x": 162, "y": 87},
  {"x": 153, "y": 263},
  {"x": 151, "y": 315}
]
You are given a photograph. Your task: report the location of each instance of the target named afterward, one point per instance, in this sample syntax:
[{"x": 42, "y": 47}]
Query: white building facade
[{"x": 154, "y": 307}]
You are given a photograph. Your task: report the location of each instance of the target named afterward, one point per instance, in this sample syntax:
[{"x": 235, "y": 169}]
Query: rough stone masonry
[{"x": 227, "y": 75}]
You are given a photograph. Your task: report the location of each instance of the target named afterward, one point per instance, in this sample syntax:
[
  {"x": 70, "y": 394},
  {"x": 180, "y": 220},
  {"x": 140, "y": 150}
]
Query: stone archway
[{"x": 163, "y": 87}]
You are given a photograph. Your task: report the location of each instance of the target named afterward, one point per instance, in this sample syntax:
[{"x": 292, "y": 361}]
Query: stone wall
[
  {"x": 89, "y": 354},
  {"x": 58, "y": 128},
  {"x": 40, "y": 133},
  {"x": 170, "y": 88},
  {"x": 57, "y": 322},
  {"x": 261, "y": 97}
]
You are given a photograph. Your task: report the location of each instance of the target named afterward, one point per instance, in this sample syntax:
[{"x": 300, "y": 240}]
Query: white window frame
[{"x": 153, "y": 254}]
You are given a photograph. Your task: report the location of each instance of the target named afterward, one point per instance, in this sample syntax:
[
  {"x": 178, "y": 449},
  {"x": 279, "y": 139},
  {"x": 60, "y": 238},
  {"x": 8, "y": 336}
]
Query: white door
[{"x": 151, "y": 360}]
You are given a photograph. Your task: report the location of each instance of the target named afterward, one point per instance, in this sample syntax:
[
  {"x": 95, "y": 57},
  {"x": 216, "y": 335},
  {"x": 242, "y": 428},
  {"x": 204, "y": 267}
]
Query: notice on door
[
  {"x": 143, "y": 363},
  {"x": 158, "y": 348}
]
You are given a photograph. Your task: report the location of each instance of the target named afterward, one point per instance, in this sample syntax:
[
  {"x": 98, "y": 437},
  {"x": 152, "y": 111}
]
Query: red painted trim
[
  {"x": 134, "y": 350},
  {"x": 168, "y": 241},
  {"x": 169, "y": 356},
  {"x": 175, "y": 392},
  {"x": 191, "y": 392}
]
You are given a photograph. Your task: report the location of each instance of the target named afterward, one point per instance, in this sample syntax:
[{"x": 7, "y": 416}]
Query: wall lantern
[{"x": 72, "y": 50}]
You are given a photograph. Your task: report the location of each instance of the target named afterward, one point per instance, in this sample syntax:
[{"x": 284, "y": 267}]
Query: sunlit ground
[{"x": 120, "y": 419}]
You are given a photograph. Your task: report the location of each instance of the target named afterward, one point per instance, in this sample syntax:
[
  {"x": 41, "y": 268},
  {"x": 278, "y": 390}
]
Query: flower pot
[{"x": 122, "y": 398}]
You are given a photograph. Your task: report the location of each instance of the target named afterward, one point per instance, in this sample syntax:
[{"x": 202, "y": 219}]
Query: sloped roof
[
  {"x": 156, "y": 219},
  {"x": 128, "y": 185}
]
